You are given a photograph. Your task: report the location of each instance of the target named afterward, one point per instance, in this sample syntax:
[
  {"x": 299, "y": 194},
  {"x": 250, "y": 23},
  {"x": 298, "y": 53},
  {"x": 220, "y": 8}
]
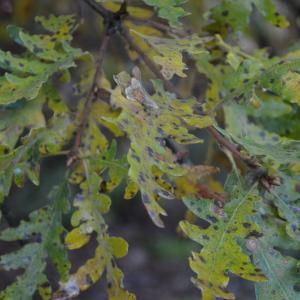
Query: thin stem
[
  {"x": 79, "y": 17},
  {"x": 231, "y": 147},
  {"x": 92, "y": 93},
  {"x": 207, "y": 193},
  {"x": 234, "y": 49}
]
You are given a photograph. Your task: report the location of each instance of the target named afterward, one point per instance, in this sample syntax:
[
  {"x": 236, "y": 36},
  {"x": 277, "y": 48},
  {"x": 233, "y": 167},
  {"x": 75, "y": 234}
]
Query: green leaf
[
  {"x": 170, "y": 52},
  {"x": 31, "y": 258},
  {"x": 13, "y": 121},
  {"x": 232, "y": 13},
  {"x": 169, "y": 10},
  {"x": 116, "y": 169},
  {"x": 148, "y": 120},
  {"x": 221, "y": 253},
  {"x": 24, "y": 159},
  {"x": 258, "y": 76},
  {"x": 203, "y": 209},
  {"x": 258, "y": 141},
  {"x": 286, "y": 197},
  {"x": 88, "y": 219},
  {"x": 280, "y": 269},
  {"x": 46, "y": 224},
  {"x": 61, "y": 26},
  {"x": 47, "y": 54},
  {"x": 236, "y": 14},
  {"x": 290, "y": 84},
  {"x": 268, "y": 9}
]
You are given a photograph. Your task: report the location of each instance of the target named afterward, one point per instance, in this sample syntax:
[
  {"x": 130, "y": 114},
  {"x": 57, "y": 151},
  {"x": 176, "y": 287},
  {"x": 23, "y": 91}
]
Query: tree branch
[
  {"x": 231, "y": 147},
  {"x": 259, "y": 173},
  {"x": 90, "y": 97}
]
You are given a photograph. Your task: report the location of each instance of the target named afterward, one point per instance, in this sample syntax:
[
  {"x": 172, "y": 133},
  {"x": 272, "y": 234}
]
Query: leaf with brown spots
[
  {"x": 42, "y": 233},
  {"x": 221, "y": 253},
  {"x": 148, "y": 120},
  {"x": 235, "y": 14},
  {"x": 167, "y": 53},
  {"x": 91, "y": 206},
  {"x": 46, "y": 54},
  {"x": 277, "y": 264}
]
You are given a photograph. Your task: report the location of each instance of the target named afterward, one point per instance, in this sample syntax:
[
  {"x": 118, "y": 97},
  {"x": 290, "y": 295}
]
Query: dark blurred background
[{"x": 157, "y": 265}]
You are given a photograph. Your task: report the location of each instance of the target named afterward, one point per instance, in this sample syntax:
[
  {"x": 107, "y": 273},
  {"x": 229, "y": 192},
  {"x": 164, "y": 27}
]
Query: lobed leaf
[
  {"x": 148, "y": 120},
  {"x": 170, "y": 52},
  {"x": 258, "y": 141},
  {"x": 169, "y": 10},
  {"x": 236, "y": 14},
  {"x": 91, "y": 205},
  {"x": 281, "y": 269},
  {"x": 46, "y": 225},
  {"x": 46, "y": 54},
  {"x": 221, "y": 252}
]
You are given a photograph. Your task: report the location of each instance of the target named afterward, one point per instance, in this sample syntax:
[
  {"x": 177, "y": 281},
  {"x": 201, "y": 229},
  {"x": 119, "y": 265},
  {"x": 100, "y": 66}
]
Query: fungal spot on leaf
[
  {"x": 225, "y": 13},
  {"x": 247, "y": 225}
]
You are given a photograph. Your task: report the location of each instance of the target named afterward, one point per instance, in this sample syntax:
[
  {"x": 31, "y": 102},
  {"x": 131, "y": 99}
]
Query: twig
[
  {"x": 207, "y": 193},
  {"x": 259, "y": 173},
  {"x": 231, "y": 147},
  {"x": 112, "y": 23},
  {"x": 93, "y": 90},
  {"x": 79, "y": 12},
  {"x": 90, "y": 97}
]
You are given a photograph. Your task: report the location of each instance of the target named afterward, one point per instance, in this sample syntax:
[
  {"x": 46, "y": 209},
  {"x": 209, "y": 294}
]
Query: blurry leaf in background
[{"x": 169, "y": 10}]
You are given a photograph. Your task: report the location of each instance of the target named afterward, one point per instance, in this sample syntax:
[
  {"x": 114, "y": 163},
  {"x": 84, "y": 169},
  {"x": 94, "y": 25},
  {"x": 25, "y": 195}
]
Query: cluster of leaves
[
  {"x": 25, "y": 89},
  {"x": 234, "y": 15},
  {"x": 253, "y": 234}
]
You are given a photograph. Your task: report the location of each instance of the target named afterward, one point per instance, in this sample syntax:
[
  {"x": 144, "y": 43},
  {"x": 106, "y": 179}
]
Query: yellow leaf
[
  {"x": 295, "y": 168},
  {"x": 291, "y": 83},
  {"x": 147, "y": 30},
  {"x": 117, "y": 291},
  {"x": 140, "y": 13},
  {"x": 131, "y": 190},
  {"x": 169, "y": 52},
  {"x": 135, "y": 11},
  {"x": 203, "y": 122},
  {"x": 85, "y": 276},
  {"x": 105, "y": 202},
  {"x": 119, "y": 247},
  {"x": 75, "y": 239}
]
